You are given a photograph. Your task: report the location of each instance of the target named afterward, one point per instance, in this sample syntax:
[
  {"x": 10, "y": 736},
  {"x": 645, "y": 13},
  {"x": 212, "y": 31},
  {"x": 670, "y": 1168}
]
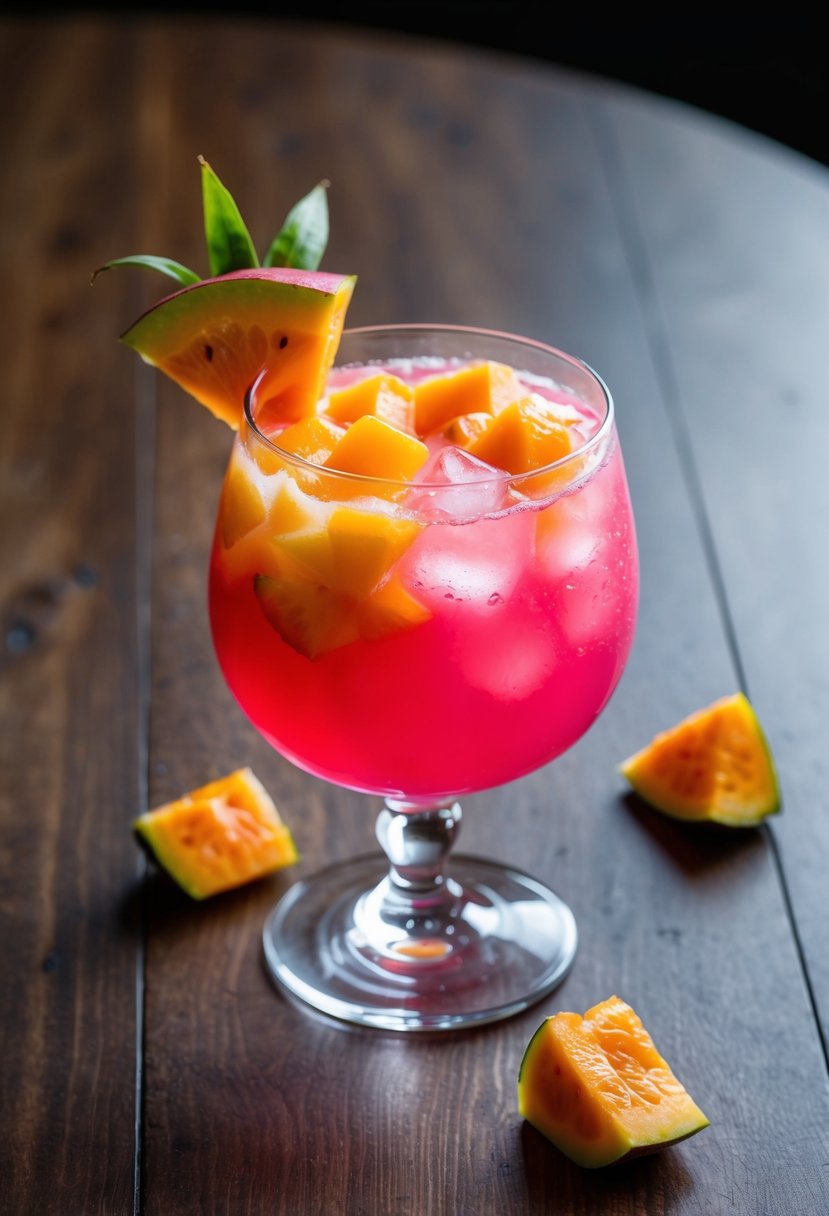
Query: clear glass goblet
[{"x": 420, "y": 640}]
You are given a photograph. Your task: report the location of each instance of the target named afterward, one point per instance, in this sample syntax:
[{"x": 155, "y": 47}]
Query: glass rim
[{"x": 500, "y": 476}]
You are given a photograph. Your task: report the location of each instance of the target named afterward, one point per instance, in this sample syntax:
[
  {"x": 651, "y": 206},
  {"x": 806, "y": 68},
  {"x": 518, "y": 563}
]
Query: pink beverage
[{"x": 524, "y": 589}]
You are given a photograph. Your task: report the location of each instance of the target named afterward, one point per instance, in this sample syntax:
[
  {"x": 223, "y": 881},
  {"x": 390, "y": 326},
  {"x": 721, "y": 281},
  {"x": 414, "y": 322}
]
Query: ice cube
[
  {"x": 511, "y": 664},
  {"x": 453, "y": 485},
  {"x": 457, "y": 567}
]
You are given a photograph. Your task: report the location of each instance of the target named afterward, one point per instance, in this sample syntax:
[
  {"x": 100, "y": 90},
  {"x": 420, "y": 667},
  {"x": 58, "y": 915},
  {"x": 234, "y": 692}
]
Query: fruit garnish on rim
[
  {"x": 214, "y": 336},
  {"x": 714, "y": 766}
]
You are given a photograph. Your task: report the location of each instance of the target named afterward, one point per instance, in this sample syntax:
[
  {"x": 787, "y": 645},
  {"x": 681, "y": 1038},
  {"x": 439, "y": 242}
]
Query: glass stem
[{"x": 416, "y": 900}]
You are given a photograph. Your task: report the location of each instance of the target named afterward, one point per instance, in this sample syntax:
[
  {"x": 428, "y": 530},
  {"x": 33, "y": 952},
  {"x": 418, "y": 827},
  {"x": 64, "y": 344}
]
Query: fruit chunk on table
[
  {"x": 219, "y": 836},
  {"x": 715, "y": 766},
  {"x": 600, "y": 1091}
]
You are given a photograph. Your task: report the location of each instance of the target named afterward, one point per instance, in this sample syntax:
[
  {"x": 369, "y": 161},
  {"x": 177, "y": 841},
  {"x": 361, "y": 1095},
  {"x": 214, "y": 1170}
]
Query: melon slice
[
  {"x": 715, "y": 765},
  {"x": 215, "y": 337},
  {"x": 600, "y": 1091},
  {"x": 219, "y": 836}
]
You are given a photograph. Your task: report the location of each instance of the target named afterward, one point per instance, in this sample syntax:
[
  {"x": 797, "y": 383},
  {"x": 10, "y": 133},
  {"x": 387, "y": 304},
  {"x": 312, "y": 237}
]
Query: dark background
[{"x": 767, "y": 70}]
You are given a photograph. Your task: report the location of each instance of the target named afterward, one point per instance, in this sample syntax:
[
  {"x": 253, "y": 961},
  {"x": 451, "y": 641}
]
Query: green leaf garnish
[
  {"x": 173, "y": 270},
  {"x": 229, "y": 246},
  {"x": 303, "y": 237},
  {"x": 300, "y": 243}
]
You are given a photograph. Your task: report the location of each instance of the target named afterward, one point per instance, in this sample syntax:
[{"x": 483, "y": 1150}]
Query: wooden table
[{"x": 148, "y": 1065}]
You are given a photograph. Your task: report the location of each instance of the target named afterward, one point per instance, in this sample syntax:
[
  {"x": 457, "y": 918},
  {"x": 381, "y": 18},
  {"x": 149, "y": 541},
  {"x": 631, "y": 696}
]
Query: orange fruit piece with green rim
[
  {"x": 384, "y": 395},
  {"x": 372, "y": 448},
  {"x": 524, "y": 436},
  {"x": 215, "y": 337},
  {"x": 482, "y": 388},
  {"x": 715, "y": 766},
  {"x": 598, "y": 1089},
  {"x": 218, "y": 836},
  {"x": 311, "y": 617}
]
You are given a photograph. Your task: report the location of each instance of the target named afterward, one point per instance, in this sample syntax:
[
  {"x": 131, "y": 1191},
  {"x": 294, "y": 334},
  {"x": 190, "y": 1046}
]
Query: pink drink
[{"x": 529, "y": 588}]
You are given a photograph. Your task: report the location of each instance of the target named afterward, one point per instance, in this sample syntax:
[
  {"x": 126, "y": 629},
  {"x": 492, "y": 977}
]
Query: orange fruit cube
[
  {"x": 290, "y": 509},
  {"x": 522, "y": 437},
  {"x": 385, "y": 396},
  {"x": 351, "y": 553},
  {"x": 483, "y": 388},
  {"x": 466, "y": 428},
  {"x": 313, "y": 438},
  {"x": 329, "y": 585},
  {"x": 373, "y": 448},
  {"x": 242, "y": 508},
  {"x": 364, "y": 547},
  {"x": 389, "y": 609}
]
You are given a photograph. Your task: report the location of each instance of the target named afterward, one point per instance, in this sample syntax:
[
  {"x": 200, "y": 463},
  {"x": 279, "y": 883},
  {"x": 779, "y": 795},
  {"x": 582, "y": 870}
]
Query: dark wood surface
[{"x": 148, "y": 1066}]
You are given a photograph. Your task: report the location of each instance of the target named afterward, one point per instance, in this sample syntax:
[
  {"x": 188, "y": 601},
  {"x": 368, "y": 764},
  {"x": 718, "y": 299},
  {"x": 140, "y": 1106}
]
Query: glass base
[{"x": 497, "y": 942}]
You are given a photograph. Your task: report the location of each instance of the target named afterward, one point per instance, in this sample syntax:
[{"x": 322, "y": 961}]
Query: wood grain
[
  {"x": 467, "y": 188},
  {"x": 70, "y": 595},
  {"x": 751, "y": 402},
  {"x": 323, "y": 1118}
]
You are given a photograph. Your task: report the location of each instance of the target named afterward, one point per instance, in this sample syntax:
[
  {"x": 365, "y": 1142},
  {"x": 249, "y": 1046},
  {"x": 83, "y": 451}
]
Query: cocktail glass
[{"x": 497, "y": 635}]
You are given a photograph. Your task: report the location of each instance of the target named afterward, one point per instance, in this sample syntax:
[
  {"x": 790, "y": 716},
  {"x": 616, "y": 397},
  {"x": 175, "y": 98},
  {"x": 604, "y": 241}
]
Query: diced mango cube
[
  {"x": 389, "y": 609},
  {"x": 522, "y": 437},
  {"x": 483, "y": 388},
  {"x": 372, "y": 448},
  {"x": 364, "y": 546},
  {"x": 308, "y": 555},
  {"x": 313, "y": 438},
  {"x": 351, "y": 554},
  {"x": 242, "y": 508},
  {"x": 466, "y": 428},
  {"x": 385, "y": 396},
  {"x": 254, "y": 551},
  {"x": 291, "y": 510}
]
